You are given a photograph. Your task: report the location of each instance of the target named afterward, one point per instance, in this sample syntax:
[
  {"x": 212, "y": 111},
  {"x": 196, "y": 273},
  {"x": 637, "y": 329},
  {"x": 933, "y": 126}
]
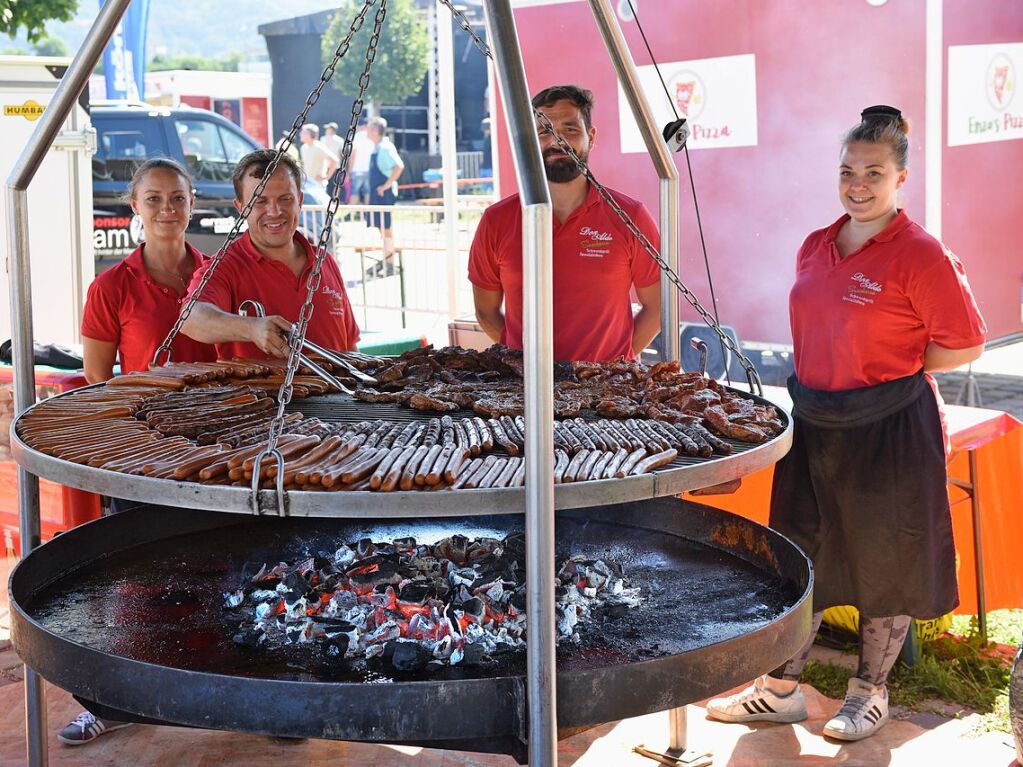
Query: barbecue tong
[{"x": 330, "y": 379}]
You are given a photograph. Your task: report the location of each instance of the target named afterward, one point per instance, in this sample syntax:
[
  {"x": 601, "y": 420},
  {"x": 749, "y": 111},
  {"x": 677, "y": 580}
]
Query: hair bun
[{"x": 885, "y": 113}]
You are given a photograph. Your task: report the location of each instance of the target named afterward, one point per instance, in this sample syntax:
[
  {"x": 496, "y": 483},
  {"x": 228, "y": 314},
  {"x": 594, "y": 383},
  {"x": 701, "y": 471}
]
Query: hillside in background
[{"x": 211, "y": 28}]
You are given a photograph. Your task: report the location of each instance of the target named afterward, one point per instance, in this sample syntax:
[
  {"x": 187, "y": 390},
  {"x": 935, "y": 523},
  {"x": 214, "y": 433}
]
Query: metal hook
[
  {"x": 163, "y": 348},
  {"x": 700, "y": 346},
  {"x": 257, "y": 469}
]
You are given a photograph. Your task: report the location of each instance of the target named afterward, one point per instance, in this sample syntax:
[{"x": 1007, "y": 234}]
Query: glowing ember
[{"x": 458, "y": 601}]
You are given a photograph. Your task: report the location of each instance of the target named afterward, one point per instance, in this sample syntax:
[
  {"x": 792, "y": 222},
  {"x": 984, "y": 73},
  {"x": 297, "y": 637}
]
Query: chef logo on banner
[
  {"x": 982, "y": 83},
  {"x": 718, "y": 96}
]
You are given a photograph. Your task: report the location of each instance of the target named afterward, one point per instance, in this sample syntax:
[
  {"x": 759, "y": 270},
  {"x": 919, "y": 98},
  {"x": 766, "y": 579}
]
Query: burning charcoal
[
  {"x": 337, "y": 646},
  {"x": 365, "y": 547},
  {"x": 234, "y": 598},
  {"x": 474, "y": 608},
  {"x": 410, "y": 656},
  {"x": 405, "y": 544},
  {"x": 388, "y": 631},
  {"x": 416, "y": 592},
  {"x": 385, "y": 549},
  {"x": 270, "y": 607},
  {"x": 453, "y": 548},
  {"x": 519, "y": 598},
  {"x": 293, "y": 583},
  {"x": 295, "y": 610},
  {"x": 464, "y": 576},
  {"x": 344, "y": 556}
]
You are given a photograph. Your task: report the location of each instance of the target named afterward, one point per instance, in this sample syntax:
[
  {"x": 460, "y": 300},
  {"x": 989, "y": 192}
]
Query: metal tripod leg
[{"x": 677, "y": 754}]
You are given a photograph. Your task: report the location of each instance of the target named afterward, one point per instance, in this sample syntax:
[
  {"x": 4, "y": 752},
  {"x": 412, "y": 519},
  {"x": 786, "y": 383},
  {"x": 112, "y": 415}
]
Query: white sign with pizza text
[
  {"x": 984, "y": 103},
  {"x": 717, "y": 96}
]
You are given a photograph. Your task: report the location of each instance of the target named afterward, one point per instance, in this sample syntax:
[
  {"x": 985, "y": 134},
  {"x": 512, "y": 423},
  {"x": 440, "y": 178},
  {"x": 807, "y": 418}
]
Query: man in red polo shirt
[
  {"x": 270, "y": 263},
  {"x": 597, "y": 260}
]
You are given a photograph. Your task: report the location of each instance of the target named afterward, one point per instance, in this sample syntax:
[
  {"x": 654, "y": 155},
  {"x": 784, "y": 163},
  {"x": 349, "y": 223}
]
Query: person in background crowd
[
  {"x": 131, "y": 308},
  {"x": 878, "y": 304},
  {"x": 270, "y": 264},
  {"x": 358, "y": 163},
  {"x": 597, "y": 260},
  {"x": 385, "y": 167},
  {"x": 336, "y": 145},
  {"x": 487, "y": 164},
  {"x": 318, "y": 162},
  {"x": 293, "y": 152}
]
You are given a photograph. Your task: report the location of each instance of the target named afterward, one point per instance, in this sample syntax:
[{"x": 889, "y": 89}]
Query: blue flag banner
[{"x": 124, "y": 60}]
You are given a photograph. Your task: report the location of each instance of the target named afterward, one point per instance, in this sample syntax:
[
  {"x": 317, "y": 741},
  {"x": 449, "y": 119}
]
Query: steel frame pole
[
  {"x": 19, "y": 267},
  {"x": 537, "y": 337},
  {"x": 625, "y": 67},
  {"x": 448, "y": 149}
]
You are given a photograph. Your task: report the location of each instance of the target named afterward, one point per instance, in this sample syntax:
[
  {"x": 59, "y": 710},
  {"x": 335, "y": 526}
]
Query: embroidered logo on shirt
[
  {"x": 596, "y": 244},
  {"x": 862, "y": 290},
  {"x": 335, "y": 301}
]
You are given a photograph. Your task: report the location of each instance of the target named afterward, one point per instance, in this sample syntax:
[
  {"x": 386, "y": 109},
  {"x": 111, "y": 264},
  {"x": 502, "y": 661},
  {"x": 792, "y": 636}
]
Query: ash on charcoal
[{"x": 460, "y": 601}]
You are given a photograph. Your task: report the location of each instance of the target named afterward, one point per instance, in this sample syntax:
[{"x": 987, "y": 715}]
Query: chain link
[
  {"x": 285, "y": 145},
  {"x": 751, "y": 372},
  {"x": 298, "y": 331}
]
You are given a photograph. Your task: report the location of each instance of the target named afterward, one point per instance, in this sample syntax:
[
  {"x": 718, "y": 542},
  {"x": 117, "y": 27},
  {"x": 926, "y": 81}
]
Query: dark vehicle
[{"x": 204, "y": 142}]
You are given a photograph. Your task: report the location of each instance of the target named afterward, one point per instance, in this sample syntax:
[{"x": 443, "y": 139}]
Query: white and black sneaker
[
  {"x": 864, "y": 712},
  {"x": 86, "y": 728},
  {"x": 759, "y": 704}
]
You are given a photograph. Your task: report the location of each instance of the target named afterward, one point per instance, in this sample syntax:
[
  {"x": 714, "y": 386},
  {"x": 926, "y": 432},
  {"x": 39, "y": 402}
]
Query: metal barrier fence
[{"x": 413, "y": 293}]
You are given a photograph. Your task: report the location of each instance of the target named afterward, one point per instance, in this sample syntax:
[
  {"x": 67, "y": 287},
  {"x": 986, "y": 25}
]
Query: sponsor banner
[
  {"x": 124, "y": 58},
  {"x": 255, "y": 119},
  {"x": 717, "y": 96},
  {"x": 984, "y": 103},
  {"x": 114, "y": 237}
]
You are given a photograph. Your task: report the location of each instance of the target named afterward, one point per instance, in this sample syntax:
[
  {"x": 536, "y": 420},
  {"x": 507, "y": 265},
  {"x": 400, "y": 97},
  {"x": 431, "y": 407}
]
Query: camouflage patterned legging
[{"x": 880, "y": 642}]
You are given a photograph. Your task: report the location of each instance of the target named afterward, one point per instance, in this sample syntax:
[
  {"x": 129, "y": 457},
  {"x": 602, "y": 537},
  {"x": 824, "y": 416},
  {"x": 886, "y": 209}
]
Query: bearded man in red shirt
[{"x": 597, "y": 260}]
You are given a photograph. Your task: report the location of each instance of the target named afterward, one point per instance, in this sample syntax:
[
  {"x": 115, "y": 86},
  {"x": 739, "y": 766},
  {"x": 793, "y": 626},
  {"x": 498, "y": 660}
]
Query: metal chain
[
  {"x": 298, "y": 330},
  {"x": 463, "y": 22},
  {"x": 751, "y": 372},
  {"x": 285, "y": 145}
]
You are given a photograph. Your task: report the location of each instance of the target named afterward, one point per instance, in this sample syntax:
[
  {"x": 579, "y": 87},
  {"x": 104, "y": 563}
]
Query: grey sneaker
[
  {"x": 758, "y": 704},
  {"x": 864, "y": 712},
  {"x": 86, "y": 728}
]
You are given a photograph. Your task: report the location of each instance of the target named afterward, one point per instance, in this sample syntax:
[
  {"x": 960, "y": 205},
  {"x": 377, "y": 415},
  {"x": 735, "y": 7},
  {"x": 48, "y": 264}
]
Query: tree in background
[
  {"x": 32, "y": 15},
  {"x": 227, "y": 63},
  {"x": 51, "y": 46},
  {"x": 403, "y": 52}
]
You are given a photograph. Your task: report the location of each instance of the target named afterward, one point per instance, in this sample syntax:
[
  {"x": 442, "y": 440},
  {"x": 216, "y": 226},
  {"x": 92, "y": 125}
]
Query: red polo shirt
[
  {"x": 244, "y": 273},
  {"x": 867, "y": 319},
  {"x": 127, "y": 307},
  {"x": 597, "y": 260}
]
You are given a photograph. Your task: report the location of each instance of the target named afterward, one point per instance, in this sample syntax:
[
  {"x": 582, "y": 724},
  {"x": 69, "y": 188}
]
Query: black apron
[{"x": 863, "y": 493}]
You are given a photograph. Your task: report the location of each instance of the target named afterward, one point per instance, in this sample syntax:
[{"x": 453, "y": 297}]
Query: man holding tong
[{"x": 269, "y": 264}]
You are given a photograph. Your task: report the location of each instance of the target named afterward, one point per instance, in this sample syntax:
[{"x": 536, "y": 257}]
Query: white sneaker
[
  {"x": 86, "y": 728},
  {"x": 758, "y": 704},
  {"x": 864, "y": 712}
]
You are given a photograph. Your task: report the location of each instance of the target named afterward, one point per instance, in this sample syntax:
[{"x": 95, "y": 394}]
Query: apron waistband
[{"x": 854, "y": 407}]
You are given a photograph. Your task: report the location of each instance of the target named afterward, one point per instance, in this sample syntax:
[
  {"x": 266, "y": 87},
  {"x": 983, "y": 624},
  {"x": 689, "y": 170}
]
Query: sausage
[
  {"x": 473, "y": 479},
  {"x": 469, "y": 470},
  {"x": 362, "y": 469},
  {"x": 377, "y": 479},
  {"x": 427, "y": 464},
  {"x": 592, "y": 433},
  {"x": 627, "y": 465},
  {"x": 705, "y": 448},
  {"x": 486, "y": 437},
  {"x": 436, "y": 473},
  {"x": 519, "y": 478},
  {"x": 461, "y": 438},
  {"x": 560, "y": 464},
  {"x": 719, "y": 446},
  {"x": 432, "y": 435},
  {"x": 496, "y": 470},
  {"x": 609, "y": 437},
  {"x": 393, "y": 476},
  {"x": 474, "y": 443},
  {"x": 141, "y": 379},
  {"x": 511, "y": 466},
  {"x": 447, "y": 430},
  {"x": 625, "y": 438},
  {"x": 572, "y": 472},
  {"x": 654, "y": 461},
  {"x": 408, "y": 476},
  {"x": 291, "y": 447},
  {"x": 189, "y": 465},
  {"x": 616, "y": 461},
  {"x": 572, "y": 441},
  {"x": 682, "y": 440},
  {"x": 512, "y": 430},
  {"x": 388, "y": 439},
  {"x": 601, "y": 465},
  {"x": 501, "y": 438},
  {"x": 313, "y": 473},
  {"x": 586, "y": 468},
  {"x": 453, "y": 470}
]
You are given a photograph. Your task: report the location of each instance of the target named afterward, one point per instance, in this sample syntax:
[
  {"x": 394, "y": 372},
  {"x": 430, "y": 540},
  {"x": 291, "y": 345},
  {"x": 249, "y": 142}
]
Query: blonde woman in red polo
[
  {"x": 132, "y": 306},
  {"x": 878, "y": 304}
]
